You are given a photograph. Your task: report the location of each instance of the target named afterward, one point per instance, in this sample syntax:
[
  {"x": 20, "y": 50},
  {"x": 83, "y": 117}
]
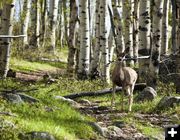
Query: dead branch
[
  {"x": 12, "y": 36},
  {"x": 138, "y": 86}
]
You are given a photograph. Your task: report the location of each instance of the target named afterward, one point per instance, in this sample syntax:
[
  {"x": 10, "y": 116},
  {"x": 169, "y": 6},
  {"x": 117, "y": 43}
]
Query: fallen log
[{"x": 138, "y": 86}]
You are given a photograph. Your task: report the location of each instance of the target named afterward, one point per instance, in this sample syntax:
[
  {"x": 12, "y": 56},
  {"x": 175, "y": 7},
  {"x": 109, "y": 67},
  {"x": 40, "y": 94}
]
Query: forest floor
[{"x": 142, "y": 122}]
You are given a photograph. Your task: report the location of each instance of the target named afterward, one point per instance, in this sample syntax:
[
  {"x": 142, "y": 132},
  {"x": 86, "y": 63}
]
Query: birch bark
[
  {"x": 84, "y": 57},
  {"x": 156, "y": 44},
  {"x": 6, "y": 28}
]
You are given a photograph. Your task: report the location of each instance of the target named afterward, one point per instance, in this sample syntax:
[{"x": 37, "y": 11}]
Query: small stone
[
  {"x": 36, "y": 136},
  {"x": 84, "y": 102},
  {"x": 119, "y": 124},
  {"x": 98, "y": 128},
  {"x": 13, "y": 98},
  {"x": 69, "y": 101}
]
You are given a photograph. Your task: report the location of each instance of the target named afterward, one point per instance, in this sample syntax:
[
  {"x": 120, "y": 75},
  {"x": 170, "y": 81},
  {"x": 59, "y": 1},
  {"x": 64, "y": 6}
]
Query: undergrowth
[{"x": 57, "y": 117}]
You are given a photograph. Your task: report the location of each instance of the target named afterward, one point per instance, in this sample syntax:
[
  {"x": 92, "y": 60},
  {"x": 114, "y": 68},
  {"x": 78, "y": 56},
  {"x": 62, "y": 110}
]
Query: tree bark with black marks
[
  {"x": 144, "y": 36},
  {"x": 53, "y": 21},
  {"x": 72, "y": 37},
  {"x": 104, "y": 33},
  {"x": 25, "y": 17},
  {"x": 136, "y": 30},
  {"x": 93, "y": 72},
  {"x": 128, "y": 8},
  {"x": 165, "y": 25},
  {"x": 35, "y": 24},
  {"x": 6, "y": 28},
  {"x": 117, "y": 7},
  {"x": 84, "y": 57},
  {"x": 44, "y": 23},
  {"x": 156, "y": 44}
]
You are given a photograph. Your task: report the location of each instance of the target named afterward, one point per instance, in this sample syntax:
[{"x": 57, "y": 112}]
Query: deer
[{"x": 125, "y": 77}]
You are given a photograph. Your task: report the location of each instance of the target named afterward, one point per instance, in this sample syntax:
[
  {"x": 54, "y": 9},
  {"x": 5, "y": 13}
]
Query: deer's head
[{"x": 122, "y": 55}]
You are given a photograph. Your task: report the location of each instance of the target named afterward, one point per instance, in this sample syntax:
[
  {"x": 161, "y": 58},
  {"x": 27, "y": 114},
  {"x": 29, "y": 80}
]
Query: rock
[
  {"x": 36, "y": 136},
  {"x": 168, "y": 102},
  {"x": 119, "y": 124},
  {"x": 84, "y": 102},
  {"x": 115, "y": 132},
  {"x": 6, "y": 124},
  {"x": 11, "y": 73},
  {"x": 148, "y": 94},
  {"x": 69, "y": 101},
  {"x": 28, "y": 98},
  {"x": 98, "y": 128},
  {"x": 13, "y": 98}
]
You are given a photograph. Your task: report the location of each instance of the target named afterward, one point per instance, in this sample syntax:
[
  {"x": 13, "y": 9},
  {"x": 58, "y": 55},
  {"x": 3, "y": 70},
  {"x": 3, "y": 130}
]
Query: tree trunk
[
  {"x": 165, "y": 26},
  {"x": 104, "y": 33},
  {"x": 72, "y": 37},
  {"x": 84, "y": 57},
  {"x": 136, "y": 29},
  {"x": 5, "y": 44},
  {"x": 65, "y": 20},
  {"x": 156, "y": 44},
  {"x": 118, "y": 25},
  {"x": 178, "y": 47},
  {"x": 174, "y": 25},
  {"x": 35, "y": 24},
  {"x": 44, "y": 21},
  {"x": 95, "y": 60},
  {"x": 25, "y": 19},
  {"x": 53, "y": 21},
  {"x": 128, "y": 29},
  {"x": 144, "y": 37}
]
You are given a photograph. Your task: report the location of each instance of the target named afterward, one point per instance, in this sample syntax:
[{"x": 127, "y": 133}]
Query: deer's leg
[
  {"x": 113, "y": 95},
  {"x": 131, "y": 97},
  {"x": 122, "y": 100}
]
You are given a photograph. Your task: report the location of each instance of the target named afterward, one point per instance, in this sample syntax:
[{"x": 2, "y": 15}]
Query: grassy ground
[{"x": 58, "y": 118}]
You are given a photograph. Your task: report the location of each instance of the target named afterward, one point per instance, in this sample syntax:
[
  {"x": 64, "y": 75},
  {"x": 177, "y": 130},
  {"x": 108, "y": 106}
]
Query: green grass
[
  {"x": 65, "y": 122},
  {"x": 27, "y": 66},
  {"x": 62, "y": 122}
]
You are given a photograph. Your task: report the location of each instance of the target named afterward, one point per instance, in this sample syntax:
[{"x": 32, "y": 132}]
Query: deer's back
[{"x": 125, "y": 76}]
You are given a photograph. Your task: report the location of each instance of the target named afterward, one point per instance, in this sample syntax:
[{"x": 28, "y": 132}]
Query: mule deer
[{"x": 125, "y": 77}]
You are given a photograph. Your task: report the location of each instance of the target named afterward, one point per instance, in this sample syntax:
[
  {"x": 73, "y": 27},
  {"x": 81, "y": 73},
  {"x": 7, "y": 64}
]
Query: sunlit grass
[{"x": 63, "y": 121}]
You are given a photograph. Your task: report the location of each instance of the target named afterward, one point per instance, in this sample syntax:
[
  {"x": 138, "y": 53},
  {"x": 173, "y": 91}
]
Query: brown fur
[{"x": 125, "y": 77}]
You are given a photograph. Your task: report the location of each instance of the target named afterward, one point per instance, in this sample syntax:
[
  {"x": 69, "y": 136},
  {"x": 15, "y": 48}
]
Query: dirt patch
[{"x": 37, "y": 75}]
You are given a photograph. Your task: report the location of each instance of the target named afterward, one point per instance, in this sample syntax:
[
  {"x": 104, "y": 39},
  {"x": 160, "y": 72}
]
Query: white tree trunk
[
  {"x": 26, "y": 19},
  {"x": 104, "y": 33},
  {"x": 35, "y": 24},
  {"x": 95, "y": 60},
  {"x": 165, "y": 25},
  {"x": 84, "y": 58},
  {"x": 128, "y": 31},
  {"x": 144, "y": 36},
  {"x": 119, "y": 28},
  {"x": 53, "y": 21},
  {"x": 72, "y": 37},
  {"x": 5, "y": 44},
  {"x": 136, "y": 29},
  {"x": 156, "y": 42},
  {"x": 44, "y": 19}
]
